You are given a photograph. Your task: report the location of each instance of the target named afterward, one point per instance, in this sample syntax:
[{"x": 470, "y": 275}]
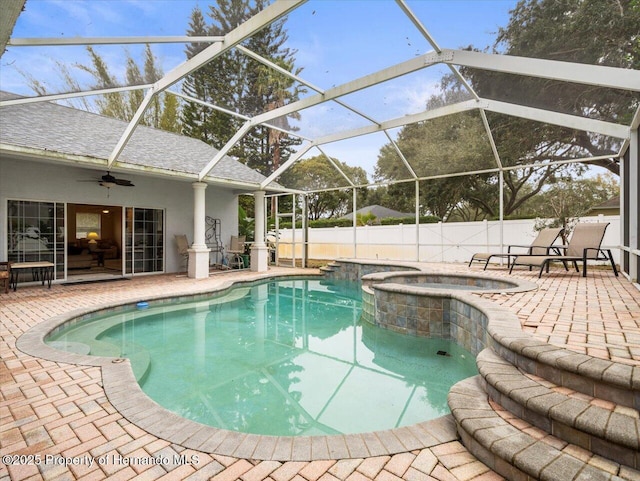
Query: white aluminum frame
[{"x": 608, "y": 77}]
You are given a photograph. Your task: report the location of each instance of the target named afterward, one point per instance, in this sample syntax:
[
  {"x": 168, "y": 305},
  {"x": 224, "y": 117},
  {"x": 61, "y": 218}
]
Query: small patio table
[{"x": 40, "y": 271}]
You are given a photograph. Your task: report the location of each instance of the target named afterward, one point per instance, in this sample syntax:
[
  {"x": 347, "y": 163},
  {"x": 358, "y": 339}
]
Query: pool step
[
  {"x": 602, "y": 427},
  {"x": 517, "y": 450}
]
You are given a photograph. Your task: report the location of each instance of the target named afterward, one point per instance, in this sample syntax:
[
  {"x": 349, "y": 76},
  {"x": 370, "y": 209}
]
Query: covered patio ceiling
[{"x": 356, "y": 108}]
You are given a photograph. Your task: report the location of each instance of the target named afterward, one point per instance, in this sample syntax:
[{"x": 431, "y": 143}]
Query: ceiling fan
[{"x": 108, "y": 181}]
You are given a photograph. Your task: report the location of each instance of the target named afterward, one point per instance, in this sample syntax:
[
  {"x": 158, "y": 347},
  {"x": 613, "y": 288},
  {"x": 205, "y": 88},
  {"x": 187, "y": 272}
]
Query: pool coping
[{"x": 124, "y": 393}]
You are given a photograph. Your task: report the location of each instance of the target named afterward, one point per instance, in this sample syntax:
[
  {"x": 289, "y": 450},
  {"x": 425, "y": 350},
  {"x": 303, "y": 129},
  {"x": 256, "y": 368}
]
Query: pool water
[{"x": 283, "y": 358}]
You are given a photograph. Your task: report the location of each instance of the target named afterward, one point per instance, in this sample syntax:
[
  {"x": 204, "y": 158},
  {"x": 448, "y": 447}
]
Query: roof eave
[{"x": 9, "y": 150}]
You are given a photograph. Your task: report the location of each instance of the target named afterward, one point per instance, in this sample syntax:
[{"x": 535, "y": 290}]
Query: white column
[
  {"x": 259, "y": 250},
  {"x": 199, "y": 252},
  {"x": 417, "y": 208}
]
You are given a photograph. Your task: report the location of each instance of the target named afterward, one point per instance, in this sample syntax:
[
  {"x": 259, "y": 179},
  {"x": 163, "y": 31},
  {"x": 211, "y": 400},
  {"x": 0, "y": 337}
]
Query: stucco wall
[{"x": 39, "y": 181}]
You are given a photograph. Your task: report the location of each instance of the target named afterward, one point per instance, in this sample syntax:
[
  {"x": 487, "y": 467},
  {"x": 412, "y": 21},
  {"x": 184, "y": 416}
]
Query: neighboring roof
[
  {"x": 379, "y": 211},
  {"x": 48, "y": 127},
  {"x": 612, "y": 205}
]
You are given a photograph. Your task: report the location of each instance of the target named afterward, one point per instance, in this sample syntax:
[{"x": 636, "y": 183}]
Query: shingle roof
[{"x": 51, "y": 127}]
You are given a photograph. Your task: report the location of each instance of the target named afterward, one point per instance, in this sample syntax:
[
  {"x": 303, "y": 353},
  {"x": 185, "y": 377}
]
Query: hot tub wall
[
  {"x": 354, "y": 271},
  {"x": 463, "y": 280},
  {"x": 434, "y": 315}
]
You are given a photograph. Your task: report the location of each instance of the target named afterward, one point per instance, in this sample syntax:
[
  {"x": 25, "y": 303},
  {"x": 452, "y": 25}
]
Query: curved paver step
[
  {"x": 595, "y": 377},
  {"x": 515, "y": 454},
  {"x": 613, "y": 434}
]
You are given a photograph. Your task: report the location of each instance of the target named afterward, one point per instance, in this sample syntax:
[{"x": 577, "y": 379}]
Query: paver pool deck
[{"x": 56, "y": 411}]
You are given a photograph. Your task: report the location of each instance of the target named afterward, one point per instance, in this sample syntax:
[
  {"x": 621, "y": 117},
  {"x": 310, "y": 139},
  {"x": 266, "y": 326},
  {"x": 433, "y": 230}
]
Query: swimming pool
[{"x": 285, "y": 357}]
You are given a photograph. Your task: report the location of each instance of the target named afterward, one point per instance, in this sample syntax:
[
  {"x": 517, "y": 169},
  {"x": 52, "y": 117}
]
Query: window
[{"x": 87, "y": 222}]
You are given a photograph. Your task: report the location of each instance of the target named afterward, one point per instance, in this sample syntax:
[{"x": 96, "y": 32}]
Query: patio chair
[
  {"x": 5, "y": 275},
  {"x": 585, "y": 244},
  {"x": 235, "y": 252},
  {"x": 183, "y": 248},
  {"x": 542, "y": 244}
]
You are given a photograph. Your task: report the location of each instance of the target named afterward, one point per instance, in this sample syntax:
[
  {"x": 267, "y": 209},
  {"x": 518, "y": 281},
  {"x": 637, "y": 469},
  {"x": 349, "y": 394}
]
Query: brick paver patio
[{"x": 60, "y": 416}]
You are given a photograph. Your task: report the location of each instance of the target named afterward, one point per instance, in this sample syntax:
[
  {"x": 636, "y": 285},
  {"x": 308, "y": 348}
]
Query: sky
[{"x": 335, "y": 41}]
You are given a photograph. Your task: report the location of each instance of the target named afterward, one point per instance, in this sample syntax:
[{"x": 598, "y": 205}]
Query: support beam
[
  {"x": 226, "y": 148},
  {"x": 556, "y": 118},
  {"x": 389, "y": 73},
  {"x": 71, "y": 95},
  {"x": 128, "y": 132},
  {"x": 417, "y": 206},
  {"x": 355, "y": 223},
  {"x": 336, "y": 166},
  {"x": 401, "y": 155},
  {"x": 300, "y": 80},
  {"x": 632, "y": 218},
  {"x": 247, "y": 29},
  {"x": 402, "y": 121},
  {"x": 610, "y": 77},
  {"x": 531, "y": 113},
  {"x": 425, "y": 33},
  {"x": 292, "y": 160},
  {"x": 492, "y": 142},
  {"x": 59, "y": 42},
  {"x": 233, "y": 114}
]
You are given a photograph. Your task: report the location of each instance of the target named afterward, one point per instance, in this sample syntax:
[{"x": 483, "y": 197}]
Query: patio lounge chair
[
  {"x": 235, "y": 251},
  {"x": 585, "y": 244},
  {"x": 541, "y": 245},
  {"x": 183, "y": 248}
]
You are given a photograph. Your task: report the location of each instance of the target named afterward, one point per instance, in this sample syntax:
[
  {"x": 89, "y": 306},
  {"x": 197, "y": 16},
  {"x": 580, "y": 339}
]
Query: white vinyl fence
[{"x": 441, "y": 242}]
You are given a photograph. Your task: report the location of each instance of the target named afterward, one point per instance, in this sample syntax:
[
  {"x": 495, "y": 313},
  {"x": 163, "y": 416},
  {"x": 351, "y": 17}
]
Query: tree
[
  {"x": 162, "y": 113},
  {"x": 445, "y": 145},
  {"x": 587, "y": 31},
  {"x": 211, "y": 83},
  {"x": 242, "y": 85},
  {"x": 315, "y": 173},
  {"x": 599, "y": 32},
  {"x": 567, "y": 200}
]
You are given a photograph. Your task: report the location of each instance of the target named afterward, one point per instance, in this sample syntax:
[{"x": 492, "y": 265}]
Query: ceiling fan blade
[{"x": 124, "y": 182}]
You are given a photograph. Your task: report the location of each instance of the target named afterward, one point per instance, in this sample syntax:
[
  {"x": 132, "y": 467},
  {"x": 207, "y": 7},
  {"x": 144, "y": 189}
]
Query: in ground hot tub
[
  {"x": 456, "y": 282},
  {"x": 435, "y": 305}
]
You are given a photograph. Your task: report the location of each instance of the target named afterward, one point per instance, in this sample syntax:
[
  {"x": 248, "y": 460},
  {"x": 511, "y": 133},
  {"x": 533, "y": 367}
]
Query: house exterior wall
[{"x": 42, "y": 181}]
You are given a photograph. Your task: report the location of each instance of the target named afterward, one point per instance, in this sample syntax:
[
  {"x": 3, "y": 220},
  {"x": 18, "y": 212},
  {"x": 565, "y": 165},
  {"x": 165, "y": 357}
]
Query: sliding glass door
[
  {"x": 36, "y": 232},
  {"x": 144, "y": 240}
]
